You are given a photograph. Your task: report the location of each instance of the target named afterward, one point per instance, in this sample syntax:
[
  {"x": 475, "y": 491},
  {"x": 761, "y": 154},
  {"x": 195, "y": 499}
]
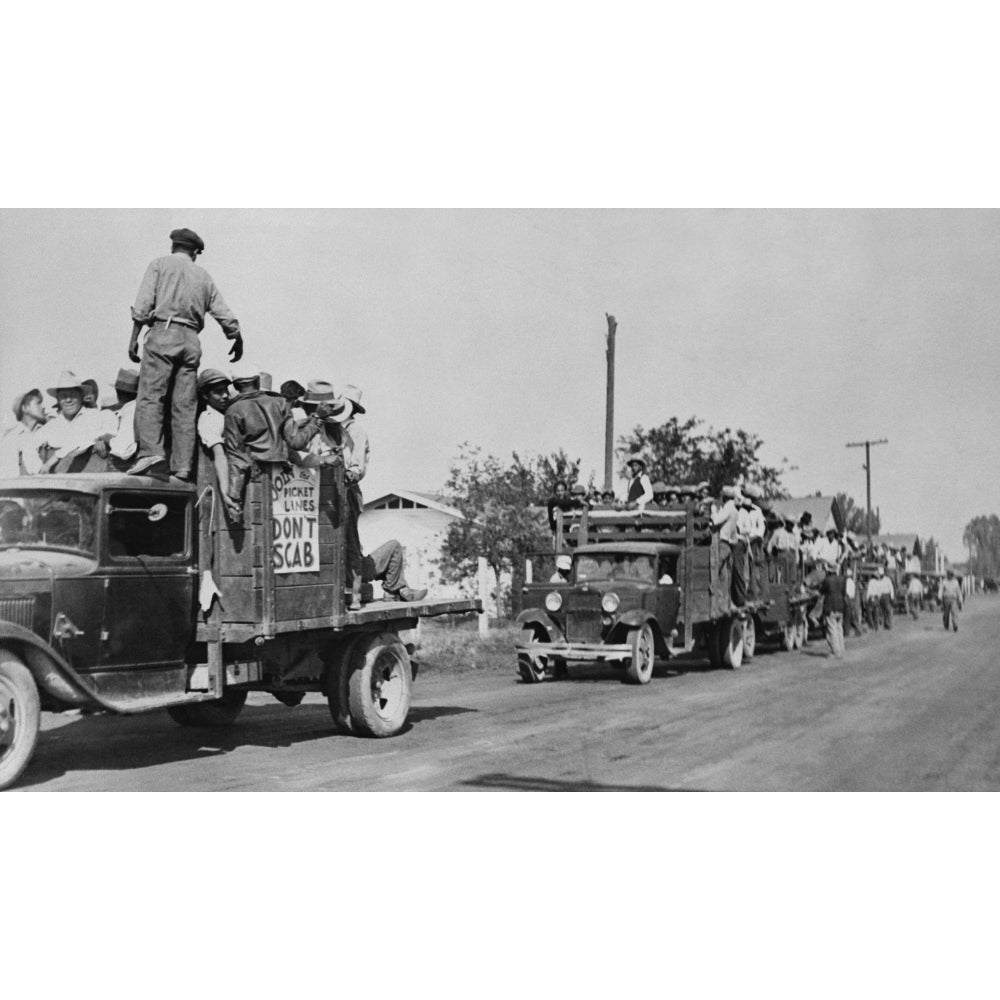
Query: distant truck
[
  {"x": 103, "y": 578},
  {"x": 645, "y": 586}
]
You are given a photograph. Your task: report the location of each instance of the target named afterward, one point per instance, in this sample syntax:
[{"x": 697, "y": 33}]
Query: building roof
[
  {"x": 427, "y": 501},
  {"x": 821, "y": 508},
  {"x": 906, "y": 540}
]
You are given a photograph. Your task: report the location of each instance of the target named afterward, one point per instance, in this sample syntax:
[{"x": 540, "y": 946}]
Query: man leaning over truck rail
[
  {"x": 19, "y": 450},
  {"x": 173, "y": 299},
  {"x": 259, "y": 426},
  {"x": 213, "y": 389},
  {"x": 950, "y": 596}
]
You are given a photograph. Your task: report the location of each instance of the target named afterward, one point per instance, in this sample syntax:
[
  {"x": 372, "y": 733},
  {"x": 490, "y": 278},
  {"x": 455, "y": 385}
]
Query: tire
[
  {"x": 380, "y": 686},
  {"x": 749, "y": 639},
  {"x": 788, "y": 642},
  {"x": 338, "y": 670},
  {"x": 731, "y": 644},
  {"x": 639, "y": 669},
  {"x": 210, "y": 714},
  {"x": 20, "y": 717},
  {"x": 532, "y": 668}
]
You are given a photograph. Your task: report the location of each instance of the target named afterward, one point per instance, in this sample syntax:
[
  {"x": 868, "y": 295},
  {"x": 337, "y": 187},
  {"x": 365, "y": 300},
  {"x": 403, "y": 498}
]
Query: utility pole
[
  {"x": 867, "y": 445},
  {"x": 609, "y": 419}
]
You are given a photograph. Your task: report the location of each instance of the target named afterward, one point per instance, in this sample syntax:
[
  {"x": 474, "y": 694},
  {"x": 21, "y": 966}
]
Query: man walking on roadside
[
  {"x": 950, "y": 595},
  {"x": 834, "y": 596},
  {"x": 173, "y": 299}
]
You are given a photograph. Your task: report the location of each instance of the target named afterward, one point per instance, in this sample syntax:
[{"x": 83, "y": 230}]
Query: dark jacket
[{"x": 834, "y": 591}]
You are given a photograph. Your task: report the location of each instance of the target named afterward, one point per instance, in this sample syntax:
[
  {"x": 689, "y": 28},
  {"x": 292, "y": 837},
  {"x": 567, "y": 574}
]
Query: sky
[{"x": 809, "y": 328}]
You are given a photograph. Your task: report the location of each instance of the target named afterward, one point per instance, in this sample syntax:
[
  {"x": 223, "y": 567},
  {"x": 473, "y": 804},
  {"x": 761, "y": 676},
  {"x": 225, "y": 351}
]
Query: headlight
[
  {"x": 553, "y": 601},
  {"x": 610, "y": 602}
]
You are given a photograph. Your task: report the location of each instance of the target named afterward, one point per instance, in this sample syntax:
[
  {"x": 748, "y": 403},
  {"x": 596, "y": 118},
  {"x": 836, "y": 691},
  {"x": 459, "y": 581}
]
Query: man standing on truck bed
[
  {"x": 173, "y": 298},
  {"x": 732, "y": 577},
  {"x": 640, "y": 489},
  {"x": 354, "y": 441}
]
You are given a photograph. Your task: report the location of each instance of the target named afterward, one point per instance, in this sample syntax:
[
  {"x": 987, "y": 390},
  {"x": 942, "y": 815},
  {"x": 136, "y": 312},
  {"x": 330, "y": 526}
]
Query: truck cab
[
  {"x": 620, "y": 605},
  {"x": 127, "y": 594}
]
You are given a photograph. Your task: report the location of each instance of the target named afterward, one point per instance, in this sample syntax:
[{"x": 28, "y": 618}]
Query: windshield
[
  {"x": 52, "y": 520},
  {"x": 621, "y": 566}
]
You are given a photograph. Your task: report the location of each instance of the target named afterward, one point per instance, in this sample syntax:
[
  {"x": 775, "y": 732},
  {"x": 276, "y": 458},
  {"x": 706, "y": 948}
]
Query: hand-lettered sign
[{"x": 295, "y": 520}]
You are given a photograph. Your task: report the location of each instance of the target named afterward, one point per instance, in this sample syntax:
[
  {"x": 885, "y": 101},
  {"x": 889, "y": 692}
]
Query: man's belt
[{"x": 174, "y": 321}]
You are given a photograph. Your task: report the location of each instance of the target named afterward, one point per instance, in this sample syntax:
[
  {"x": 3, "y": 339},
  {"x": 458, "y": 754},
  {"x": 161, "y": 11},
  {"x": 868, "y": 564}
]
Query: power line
[{"x": 867, "y": 445}]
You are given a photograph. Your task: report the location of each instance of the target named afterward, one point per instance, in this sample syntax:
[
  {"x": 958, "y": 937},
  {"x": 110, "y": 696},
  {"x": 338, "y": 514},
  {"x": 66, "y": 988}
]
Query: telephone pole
[
  {"x": 867, "y": 445},
  {"x": 609, "y": 419}
]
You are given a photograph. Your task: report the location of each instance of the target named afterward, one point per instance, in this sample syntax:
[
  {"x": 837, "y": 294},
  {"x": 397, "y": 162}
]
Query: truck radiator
[
  {"x": 19, "y": 610},
  {"x": 583, "y": 617}
]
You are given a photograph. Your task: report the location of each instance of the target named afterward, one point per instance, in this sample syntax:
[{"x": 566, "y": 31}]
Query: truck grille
[
  {"x": 583, "y": 617},
  {"x": 19, "y": 610}
]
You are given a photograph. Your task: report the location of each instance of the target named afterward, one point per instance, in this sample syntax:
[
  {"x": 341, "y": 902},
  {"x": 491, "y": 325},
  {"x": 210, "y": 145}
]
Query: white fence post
[
  {"x": 528, "y": 570},
  {"x": 484, "y": 593}
]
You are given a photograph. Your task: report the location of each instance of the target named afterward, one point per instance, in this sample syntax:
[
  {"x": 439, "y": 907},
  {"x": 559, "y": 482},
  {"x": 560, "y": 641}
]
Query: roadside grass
[{"x": 455, "y": 647}]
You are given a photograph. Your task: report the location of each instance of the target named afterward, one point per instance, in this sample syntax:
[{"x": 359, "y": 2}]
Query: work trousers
[
  {"x": 913, "y": 604},
  {"x": 169, "y": 371},
  {"x": 741, "y": 570},
  {"x": 885, "y": 603},
  {"x": 852, "y": 616},
  {"x": 949, "y": 612},
  {"x": 385, "y": 564},
  {"x": 352, "y": 542},
  {"x": 834, "y": 623},
  {"x": 755, "y": 552}
]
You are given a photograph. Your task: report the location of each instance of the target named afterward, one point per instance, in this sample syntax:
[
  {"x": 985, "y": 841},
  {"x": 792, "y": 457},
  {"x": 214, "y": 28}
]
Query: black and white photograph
[
  {"x": 401, "y": 403},
  {"x": 528, "y": 499}
]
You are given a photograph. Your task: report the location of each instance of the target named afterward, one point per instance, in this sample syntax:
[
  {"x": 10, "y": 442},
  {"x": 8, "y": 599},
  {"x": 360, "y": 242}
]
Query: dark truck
[
  {"x": 103, "y": 578},
  {"x": 645, "y": 586}
]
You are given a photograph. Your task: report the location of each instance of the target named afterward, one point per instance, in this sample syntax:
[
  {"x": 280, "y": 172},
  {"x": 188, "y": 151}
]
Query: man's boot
[{"x": 355, "y": 594}]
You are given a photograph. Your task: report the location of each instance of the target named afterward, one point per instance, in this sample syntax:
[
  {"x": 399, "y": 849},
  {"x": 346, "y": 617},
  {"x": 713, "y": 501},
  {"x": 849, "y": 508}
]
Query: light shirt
[
  {"x": 211, "y": 427},
  {"x": 757, "y": 524},
  {"x": 175, "y": 287},
  {"x": 645, "y": 485},
  {"x": 915, "y": 588},
  {"x": 725, "y": 519},
  {"x": 81, "y": 432},
  {"x": 950, "y": 590},
  {"x": 20, "y": 446},
  {"x": 782, "y": 540},
  {"x": 356, "y": 449},
  {"x": 123, "y": 443},
  {"x": 826, "y": 550},
  {"x": 850, "y": 587},
  {"x": 743, "y": 522}
]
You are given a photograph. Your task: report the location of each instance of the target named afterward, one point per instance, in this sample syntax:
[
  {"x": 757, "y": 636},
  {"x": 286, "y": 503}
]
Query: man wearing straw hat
[
  {"x": 354, "y": 441},
  {"x": 173, "y": 299},
  {"x": 640, "y": 489},
  {"x": 77, "y": 437},
  {"x": 732, "y": 575}
]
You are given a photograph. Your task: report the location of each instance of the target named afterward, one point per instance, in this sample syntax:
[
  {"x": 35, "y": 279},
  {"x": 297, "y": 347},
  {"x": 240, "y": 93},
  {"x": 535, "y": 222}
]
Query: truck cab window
[{"x": 133, "y": 532}]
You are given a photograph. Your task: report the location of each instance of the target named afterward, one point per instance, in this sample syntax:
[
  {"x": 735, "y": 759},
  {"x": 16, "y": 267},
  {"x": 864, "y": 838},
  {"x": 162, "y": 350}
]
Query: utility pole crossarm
[{"x": 867, "y": 445}]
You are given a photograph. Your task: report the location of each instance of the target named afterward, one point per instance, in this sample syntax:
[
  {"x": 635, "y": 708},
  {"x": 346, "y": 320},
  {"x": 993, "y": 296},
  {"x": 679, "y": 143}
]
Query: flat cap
[
  {"x": 188, "y": 238},
  {"x": 209, "y": 376},
  {"x": 578, "y": 489}
]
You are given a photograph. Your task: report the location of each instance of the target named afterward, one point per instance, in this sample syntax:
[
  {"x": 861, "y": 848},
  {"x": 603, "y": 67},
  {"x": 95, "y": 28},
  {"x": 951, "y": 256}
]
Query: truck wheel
[
  {"x": 749, "y": 639},
  {"x": 530, "y": 666},
  {"x": 640, "y": 667},
  {"x": 210, "y": 714},
  {"x": 20, "y": 716},
  {"x": 788, "y": 637},
  {"x": 732, "y": 643},
  {"x": 378, "y": 689}
]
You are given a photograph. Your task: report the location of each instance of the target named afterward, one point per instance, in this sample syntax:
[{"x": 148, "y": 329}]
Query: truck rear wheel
[
  {"x": 731, "y": 643},
  {"x": 210, "y": 714},
  {"x": 20, "y": 717},
  {"x": 749, "y": 639},
  {"x": 379, "y": 687},
  {"x": 640, "y": 667}
]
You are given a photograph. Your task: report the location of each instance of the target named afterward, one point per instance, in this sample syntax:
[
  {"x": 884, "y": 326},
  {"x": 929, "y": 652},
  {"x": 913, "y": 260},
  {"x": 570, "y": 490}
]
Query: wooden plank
[{"x": 295, "y": 603}]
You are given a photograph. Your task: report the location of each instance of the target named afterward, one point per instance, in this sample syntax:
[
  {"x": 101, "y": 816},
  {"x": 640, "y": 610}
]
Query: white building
[{"x": 419, "y": 522}]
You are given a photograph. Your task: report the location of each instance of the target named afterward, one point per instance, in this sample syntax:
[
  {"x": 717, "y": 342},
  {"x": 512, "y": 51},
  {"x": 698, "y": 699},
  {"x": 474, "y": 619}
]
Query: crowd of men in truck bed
[
  {"x": 857, "y": 587},
  {"x": 166, "y": 410}
]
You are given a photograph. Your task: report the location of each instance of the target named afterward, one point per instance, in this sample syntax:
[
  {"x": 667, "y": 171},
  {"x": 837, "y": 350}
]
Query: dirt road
[{"x": 916, "y": 708}]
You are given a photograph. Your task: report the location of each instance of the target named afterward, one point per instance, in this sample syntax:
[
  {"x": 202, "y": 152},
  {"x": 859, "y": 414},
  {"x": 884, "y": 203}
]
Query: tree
[
  {"x": 854, "y": 516},
  {"x": 681, "y": 452},
  {"x": 982, "y": 538},
  {"x": 501, "y": 517},
  {"x": 928, "y": 561}
]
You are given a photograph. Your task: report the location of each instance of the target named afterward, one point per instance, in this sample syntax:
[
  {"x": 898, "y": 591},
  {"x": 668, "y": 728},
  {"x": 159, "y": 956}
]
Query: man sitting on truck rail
[
  {"x": 77, "y": 437},
  {"x": 19, "y": 449},
  {"x": 259, "y": 426}
]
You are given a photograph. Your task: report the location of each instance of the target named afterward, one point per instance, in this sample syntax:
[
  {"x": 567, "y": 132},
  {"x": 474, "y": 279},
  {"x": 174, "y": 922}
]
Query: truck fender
[
  {"x": 636, "y": 618},
  {"x": 53, "y": 675},
  {"x": 535, "y": 616}
]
